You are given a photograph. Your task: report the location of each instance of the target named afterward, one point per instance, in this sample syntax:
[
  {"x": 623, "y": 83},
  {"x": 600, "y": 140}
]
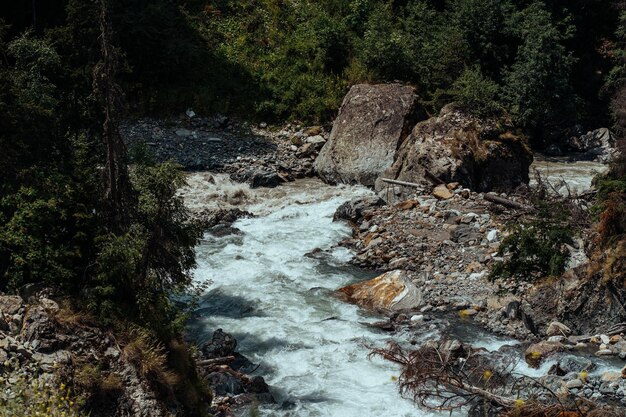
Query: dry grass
[{"x": 149, "y": 357}]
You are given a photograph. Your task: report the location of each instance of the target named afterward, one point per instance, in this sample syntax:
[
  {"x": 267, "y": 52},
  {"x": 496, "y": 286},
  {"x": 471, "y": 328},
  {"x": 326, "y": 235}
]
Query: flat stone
[
  {"x": 574, "y": 383},
  {"x": 442, "y": 192},
  {"x": 604, "y": 352}
]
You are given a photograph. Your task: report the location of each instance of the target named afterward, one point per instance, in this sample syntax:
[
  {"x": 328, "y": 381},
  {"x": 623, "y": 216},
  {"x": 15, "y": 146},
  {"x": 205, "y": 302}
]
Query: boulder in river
[
  {"x": 458, "y": 147},
  {"x": 353, "y": 210},
  {"x": 598, "y": 145},
  {"x": 372, "y": 123},
  {"x": 391, "y": 291},
  {"x": 538, "y": 352}
]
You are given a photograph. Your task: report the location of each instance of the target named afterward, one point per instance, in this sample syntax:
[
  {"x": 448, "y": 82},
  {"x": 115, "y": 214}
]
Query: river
[
  {"x": 274, "y": 296},
  {"x": 312, "y": 348}
]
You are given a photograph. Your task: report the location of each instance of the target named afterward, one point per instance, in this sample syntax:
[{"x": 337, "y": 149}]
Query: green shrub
[
  {"x": 476, "y": 93},
  {"x": 536, "y": 248}
]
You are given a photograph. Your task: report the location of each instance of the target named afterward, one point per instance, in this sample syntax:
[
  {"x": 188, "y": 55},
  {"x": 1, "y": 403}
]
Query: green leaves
[{"x": 536, "y": 248}]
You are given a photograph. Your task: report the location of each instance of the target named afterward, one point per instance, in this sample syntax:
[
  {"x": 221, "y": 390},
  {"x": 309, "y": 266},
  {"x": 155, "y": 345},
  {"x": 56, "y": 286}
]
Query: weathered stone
[
  {"x": 442, "y": 192},
  {"x": 597, "y": 144},
  {"x": 391, "y": 290},
  {"x": 538, "y": 352},
  {"x": 39, "y": 325},
  {"x": 556, "y": 328},
  {"x": 372, "y": 122},
  {"x": 574, "y": 383},
  {"x": 11, "y": 304},
  {"x": 458, "y": 147},
  {"x": 353, "y": 210}
]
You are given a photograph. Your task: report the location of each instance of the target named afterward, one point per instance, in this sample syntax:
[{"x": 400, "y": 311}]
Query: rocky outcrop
[
  {"x": 458, "y": 147},
  {"x": 391, "y": 291},
  {"x": 597, "y": 145},
  {"x": 372, "y": 123}
]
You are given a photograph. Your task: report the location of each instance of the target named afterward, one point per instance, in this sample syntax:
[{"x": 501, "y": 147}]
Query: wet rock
[
  {"x": 258, "y": 178},
  {"x": 391, "y": 290},
  {"x": 538, "y": 352},
  {"x": 570, "y": 363},
  {"x": 353, "y": 210},
  {"x": 214, "y": 217},
  {"x": 372, "y": 122},
  {"x": 598, "y": 145},
  {"x": 221, "y": 344}
]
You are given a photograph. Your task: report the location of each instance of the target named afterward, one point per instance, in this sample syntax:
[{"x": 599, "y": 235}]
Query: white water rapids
[{"x": 311, "y": 347}]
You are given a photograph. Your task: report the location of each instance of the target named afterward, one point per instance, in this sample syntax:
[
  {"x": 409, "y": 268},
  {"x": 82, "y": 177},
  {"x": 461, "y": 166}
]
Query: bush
[
  {"x": 536, "y": 248},
  {"x": 476, "y": 93}
]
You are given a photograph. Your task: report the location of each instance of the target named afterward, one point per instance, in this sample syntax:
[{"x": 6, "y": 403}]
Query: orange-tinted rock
[{"x": 391, "y": 290}]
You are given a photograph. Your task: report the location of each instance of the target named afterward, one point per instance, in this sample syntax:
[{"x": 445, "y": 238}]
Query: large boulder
[
  {"x": 372, "y": 123},
  {"x": 458, "y": 147},
  {"x": 391, "y": 291},
  {"x": 598, "y": 145},
  {"x": 354, "y": 209}
]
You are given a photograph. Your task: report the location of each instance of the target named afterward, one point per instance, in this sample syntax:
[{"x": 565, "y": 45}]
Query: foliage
[
  {"x": 476, "y": 93},
  {"x": 536, "y": 247},
  {"x": 30, "y": 396}
]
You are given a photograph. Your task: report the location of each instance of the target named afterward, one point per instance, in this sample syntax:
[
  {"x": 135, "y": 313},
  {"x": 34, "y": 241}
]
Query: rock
[
  {"x": 571, "y": 363},
  {"x": 258, "y": 178},
  {"x": 605, "y": 339},
  {"x": 372, "y": 122},
  {"x": 222, "y": 344},
  {"x": 574, "y": 383},
  {"x": 313, "y": 131},
  {"x": 353, "y": 210},
  {"x": 468, "y": 312},
  {"x": 39, "y": 325},
  {"x": 315, "y": 139},
  {"x": 458, "y": 147},
  {"x": 604, "y": 352},
  {"x": 623, "y": 372},
  {"x": 11, "y": 304},
  {"x": 464, "y": 233},
  {"x": 418, "y": 318},
  {"x": 556, "y": 328},
  {"x": 492, "y": 235},
  {"x": 391, "y": 290},
  {"x": 442, "y": 192},
  {"x": 309, "y": 149},
  {"x": 611, "y": 376},
  {"x": 538, "y": 352},
  {"x": 598, "y": 145}
]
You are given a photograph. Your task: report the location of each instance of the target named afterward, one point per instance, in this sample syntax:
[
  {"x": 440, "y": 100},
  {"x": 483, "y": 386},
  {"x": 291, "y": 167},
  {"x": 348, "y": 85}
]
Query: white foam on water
[{"x": 313, "y": 349}]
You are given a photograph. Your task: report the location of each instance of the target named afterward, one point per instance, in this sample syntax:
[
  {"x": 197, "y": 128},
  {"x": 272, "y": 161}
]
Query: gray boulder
[
  {"x": 458, "y": 147},
  {"x": 372, "y": 123},
  {"x": 598, "y": 145},
  {"x": 353, "y": 210}
]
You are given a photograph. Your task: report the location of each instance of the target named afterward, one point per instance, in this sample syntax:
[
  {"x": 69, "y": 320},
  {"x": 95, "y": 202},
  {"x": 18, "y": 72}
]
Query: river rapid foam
[{"x": 311, "y": 347}]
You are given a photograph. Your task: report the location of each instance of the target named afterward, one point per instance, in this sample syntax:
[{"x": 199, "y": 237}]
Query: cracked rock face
[
  {"x": 457, "y": 147},
  {"x": 372, "y": 123}
]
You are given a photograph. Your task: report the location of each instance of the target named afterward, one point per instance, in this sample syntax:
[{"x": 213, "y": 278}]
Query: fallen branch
[
  {"x": 404, "y": 183},
  {"x": 507, "y": 203},
  {"x": 217, "y": 361}
]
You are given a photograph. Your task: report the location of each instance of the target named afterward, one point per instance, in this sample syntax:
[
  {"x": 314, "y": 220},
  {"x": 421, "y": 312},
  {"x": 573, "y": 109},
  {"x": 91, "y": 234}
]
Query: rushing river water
[
  {"x": 311, "y": 347},
  {"x": 274, "y": 297},
  {"x": 578, "y": 175}
]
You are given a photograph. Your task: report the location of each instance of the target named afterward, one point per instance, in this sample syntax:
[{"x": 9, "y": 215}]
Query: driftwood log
[{"x": 507, "y": 203}]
